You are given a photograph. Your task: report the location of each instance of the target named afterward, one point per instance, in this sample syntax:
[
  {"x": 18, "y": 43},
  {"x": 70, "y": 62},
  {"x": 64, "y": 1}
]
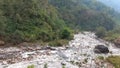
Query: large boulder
[
  {"x": 101, "y": 49},
  {"x": 117, "y": 42}
]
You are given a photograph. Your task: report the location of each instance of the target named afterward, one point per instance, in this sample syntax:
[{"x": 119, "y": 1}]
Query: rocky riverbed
[{"x": 79, "y": 53}]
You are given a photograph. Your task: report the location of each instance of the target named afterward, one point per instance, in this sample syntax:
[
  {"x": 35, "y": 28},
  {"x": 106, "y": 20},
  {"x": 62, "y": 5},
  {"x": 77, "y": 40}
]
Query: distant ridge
[{"x": 112, "y": 3}]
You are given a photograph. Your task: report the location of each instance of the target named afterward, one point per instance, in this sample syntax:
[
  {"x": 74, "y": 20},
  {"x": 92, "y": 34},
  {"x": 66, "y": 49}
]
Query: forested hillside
[
  {"x": 112, "y": 3},
  {"x": 89, "y": 15},
  {"x": 43, "y": 20},
  {"x": 29, "y": 20},
  {"x": 85, "y": 14}
]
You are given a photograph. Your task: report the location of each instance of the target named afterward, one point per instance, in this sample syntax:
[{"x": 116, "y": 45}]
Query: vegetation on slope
[
  {"x": 89, "y": 15},
  {"x": 50, "y": 21},
  {"x": 85, "y": 14},
  {"x": 31, "y": 66},
  {"x": 115, "y": 60},
  {"x": 30, "y": 20}
]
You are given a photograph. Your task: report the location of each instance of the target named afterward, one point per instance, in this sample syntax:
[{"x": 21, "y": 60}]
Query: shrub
[
  {"x": 58, "y": 43},
  {"x": 66, "y": 33},
  {"x": 31, "y": 66},
  {"x": 45, "y": 65},
  {"x": 101, "y": 32},
  {"x": 115, "y": 60},
  {"x": 100, "y": 57},
  {"x": 63, "y": 66}
]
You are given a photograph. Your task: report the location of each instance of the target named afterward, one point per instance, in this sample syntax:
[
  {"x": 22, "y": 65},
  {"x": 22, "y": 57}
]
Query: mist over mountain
[{"x": 112, "y": 3}]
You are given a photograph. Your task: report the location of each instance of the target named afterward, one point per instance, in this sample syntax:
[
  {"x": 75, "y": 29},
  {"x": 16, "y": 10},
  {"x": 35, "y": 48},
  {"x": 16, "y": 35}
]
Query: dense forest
[
  {"x": 30, "y": 20},
  {"x": 85, "y": 14},
  {"x": 90, "y": 15},
  {"x": 53, "y": 20}
]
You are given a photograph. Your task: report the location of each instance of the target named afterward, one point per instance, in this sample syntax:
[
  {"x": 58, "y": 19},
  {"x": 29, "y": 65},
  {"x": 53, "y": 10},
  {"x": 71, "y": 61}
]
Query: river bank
[{"x": 77, "y": 54}]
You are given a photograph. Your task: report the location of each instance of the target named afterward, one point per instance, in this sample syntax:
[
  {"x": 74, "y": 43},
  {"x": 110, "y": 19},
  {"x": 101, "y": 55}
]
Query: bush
[
  {"x": 112, "y": 35},
  {"x": 115, "y": 60},
  {"x": 101, "y": 32},
  {"x": 101, "y": 57},
  {"x": 66, "y": 33},
  {"x": 31, "y": 66},
  {"x": 45, "y": 65},
  {"x": 58, "y": 43}
]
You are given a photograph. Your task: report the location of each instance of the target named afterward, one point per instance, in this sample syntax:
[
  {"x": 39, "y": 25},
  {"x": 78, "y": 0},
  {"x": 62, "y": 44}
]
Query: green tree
[
  {"x": 101, "y": 32},
  {"x": 65, "y": 33}
]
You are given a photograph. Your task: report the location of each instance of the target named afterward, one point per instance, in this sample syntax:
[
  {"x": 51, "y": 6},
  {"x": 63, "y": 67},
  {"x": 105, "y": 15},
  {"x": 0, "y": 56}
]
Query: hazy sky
[{"x": 112, "y": 3}]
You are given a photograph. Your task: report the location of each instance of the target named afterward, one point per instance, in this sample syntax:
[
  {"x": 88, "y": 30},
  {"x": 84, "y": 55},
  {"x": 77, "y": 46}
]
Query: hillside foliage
[
  {"x": 29, "y": 20},
  {"x": 52, "y": 20}
]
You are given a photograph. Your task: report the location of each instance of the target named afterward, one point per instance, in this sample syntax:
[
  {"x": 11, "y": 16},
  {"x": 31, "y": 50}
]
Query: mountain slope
[
  {"x": 85, "y": 14},
  {"x": 112, "y": 3},
  {"x": 29, "y": 20},
  {"x": 33, "y": 20}
]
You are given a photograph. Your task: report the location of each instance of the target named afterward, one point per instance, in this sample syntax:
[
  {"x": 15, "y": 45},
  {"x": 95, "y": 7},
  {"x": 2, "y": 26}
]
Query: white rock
[{"x": 79, "y": 49}]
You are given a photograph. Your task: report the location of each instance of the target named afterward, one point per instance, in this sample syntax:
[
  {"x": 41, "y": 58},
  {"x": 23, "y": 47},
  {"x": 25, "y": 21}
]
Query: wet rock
[{"x": 101, "y": 49}]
